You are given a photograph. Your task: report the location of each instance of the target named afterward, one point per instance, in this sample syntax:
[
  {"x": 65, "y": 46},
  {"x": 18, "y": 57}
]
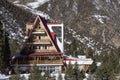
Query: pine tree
[
  {"x": 4, "y": 48},
  {"x": 60, "y": 76},
  {"x": 74, "y": 48},
  {"x": 1, "y": 47},
  {"x": 78, "y": 75},
  {"x": 6, "y": 51},
  {"x": 108, "y": 68},
  {"x": 69, "y": 72},
  {"x": 47, "y": 75},
  {"x": 93, "y": 68},
  {"x": 16, "y": 76},
  {"x": 35, "y": 74},
  {"x": 90, "y": 53}
]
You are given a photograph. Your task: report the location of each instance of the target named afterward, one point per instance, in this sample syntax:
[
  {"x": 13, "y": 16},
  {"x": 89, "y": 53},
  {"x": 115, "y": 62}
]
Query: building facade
[{"x": 43, "y": 46}]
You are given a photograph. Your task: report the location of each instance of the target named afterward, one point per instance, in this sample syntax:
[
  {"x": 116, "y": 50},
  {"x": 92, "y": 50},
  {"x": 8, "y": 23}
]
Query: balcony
[
  {"x": 42, "y": 41},
  {"x": 43, "y": 50},
  {"x": 38, "y": 31},
  {"x": 49, "y": 62},
  {"x": 41, "y": 62}
]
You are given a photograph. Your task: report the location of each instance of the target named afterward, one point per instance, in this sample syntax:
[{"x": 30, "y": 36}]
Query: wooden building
[{"x": 43, "y": 46}]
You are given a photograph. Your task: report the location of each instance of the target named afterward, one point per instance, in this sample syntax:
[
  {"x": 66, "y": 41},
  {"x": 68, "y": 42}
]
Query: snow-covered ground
[{"x": 4, "y": 77}]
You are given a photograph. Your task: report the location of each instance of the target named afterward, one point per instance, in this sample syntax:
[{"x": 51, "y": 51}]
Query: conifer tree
[
  {"x": 69, "y": 72},
  {"x": 6, "y": 51},
  {"x": 60, "y": 76},
  {"x": 35, "y": 74},
  {"x": 4, "y": 48},
  {"x": 74, "y": 48},
  {"x": 1, "y": 47},
  {"x": 16, "y": 76},
  {"x": 93, "y": 68},
  {"x": 90, "y": 53},
  {"x": 47, "y": 75},
  {"x": 77, "y": 74},
  {"x": 108, "y": 68}
]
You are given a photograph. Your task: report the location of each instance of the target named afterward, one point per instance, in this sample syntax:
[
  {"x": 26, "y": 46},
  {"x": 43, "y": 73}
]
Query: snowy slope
[
  {"x": 36, "y": 4},
  {"x": 32, "y": 5}
]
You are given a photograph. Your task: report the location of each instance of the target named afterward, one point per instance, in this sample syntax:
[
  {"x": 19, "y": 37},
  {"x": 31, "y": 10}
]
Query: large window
[
  {"x": 49, "y": 68},
  {"x": 58, "y": 32}
]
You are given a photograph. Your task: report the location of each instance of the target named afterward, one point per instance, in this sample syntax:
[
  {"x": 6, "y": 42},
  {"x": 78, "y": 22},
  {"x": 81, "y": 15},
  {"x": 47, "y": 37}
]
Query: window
[
  {"x": 39, "y": 27},
  {"x": 44, "y": 47},
  {"x": 34, "y": 37},
  {"x": 39, "y": 47},
  {"x": 48, "y": 47},
  {"x": 39, "y": 37},
  {"x": 34, "y": 47},
  {"x": 42, "y": 58}
]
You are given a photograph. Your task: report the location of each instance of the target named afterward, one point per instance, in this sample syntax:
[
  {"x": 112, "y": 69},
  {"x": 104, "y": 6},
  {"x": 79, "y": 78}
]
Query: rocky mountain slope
[
  {"x": 95, "y": 19},
  {"x": 92, "y": 23}
]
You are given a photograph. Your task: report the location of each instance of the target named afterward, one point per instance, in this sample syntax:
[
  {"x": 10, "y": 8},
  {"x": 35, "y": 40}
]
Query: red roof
[
  {"x": 43, "y": 53},
  {"x": 54, "y": 23}
]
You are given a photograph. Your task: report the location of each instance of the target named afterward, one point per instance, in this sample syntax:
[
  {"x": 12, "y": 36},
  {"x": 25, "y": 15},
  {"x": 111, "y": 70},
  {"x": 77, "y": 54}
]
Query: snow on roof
[
  {"x": 81, "y": 56},
  {"x": 80, "y": 61}
]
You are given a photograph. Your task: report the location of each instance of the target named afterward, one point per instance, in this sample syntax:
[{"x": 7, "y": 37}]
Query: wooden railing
[
  {"x": 42, "y": 40},
  {"x": 38, "y": 50},
  {"x": 49, "y": 62},
  {"x": 38, "y": 30},
  {"x": 41, "y": 62}
]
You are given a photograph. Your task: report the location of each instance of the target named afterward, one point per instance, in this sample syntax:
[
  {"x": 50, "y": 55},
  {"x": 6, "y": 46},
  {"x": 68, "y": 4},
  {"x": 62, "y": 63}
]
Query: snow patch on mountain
[
  {"x": 85, "y": 40},
  {"x": 75, "y": 7},
  {"x": 37, "y": 3},
  {"x": 49, "y": 7},
  {"x": 34, "y": 11},
  {"x": 7, "y": 20},
  {"x": 16, "y": 2},
  {"x": 67, "y": 2},
  {"x": 100, "y": 18},
  {"x": 108, "y": 1}
]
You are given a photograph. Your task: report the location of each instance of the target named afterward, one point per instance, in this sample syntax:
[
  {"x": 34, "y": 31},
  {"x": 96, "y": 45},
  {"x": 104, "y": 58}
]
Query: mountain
[
  {"x": 91, "y": 23},
  {"x": 14, "y": 20}
]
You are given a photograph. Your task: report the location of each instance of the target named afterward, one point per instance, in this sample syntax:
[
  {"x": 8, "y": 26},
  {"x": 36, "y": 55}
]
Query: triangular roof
[{"x": 39, "y": 18}]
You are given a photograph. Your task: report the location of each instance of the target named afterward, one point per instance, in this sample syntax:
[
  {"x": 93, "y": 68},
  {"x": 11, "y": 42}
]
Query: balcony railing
[
  {"x": 38, "y": 30},
  {"x": 42, "y": 40},
  {"x": 37, "y": 41},
  {"x": 41, "y": 62},
  {"x": 43, "y": 50}
]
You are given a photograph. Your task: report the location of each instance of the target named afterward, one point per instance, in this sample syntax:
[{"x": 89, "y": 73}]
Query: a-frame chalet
[{"x": 43, "y": 46}]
